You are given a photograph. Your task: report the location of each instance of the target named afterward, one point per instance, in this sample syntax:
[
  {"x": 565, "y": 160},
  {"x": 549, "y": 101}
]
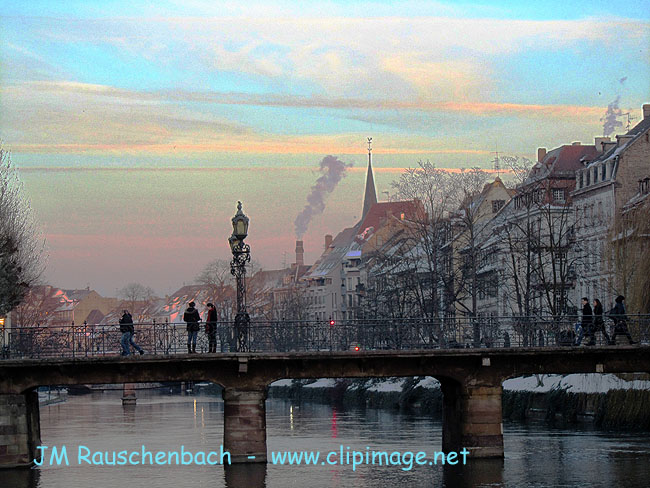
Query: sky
[{"x": 138, "y": 125}]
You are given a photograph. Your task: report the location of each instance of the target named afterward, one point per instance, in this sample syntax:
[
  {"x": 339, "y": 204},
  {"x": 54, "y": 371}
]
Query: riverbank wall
[{"x": 601, "y": 401}]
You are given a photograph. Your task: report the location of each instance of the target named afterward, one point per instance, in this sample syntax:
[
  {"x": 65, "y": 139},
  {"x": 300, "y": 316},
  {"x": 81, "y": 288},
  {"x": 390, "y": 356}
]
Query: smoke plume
[
  {"x": 332, "y": 170},
  {"x": 610, "y": 121}
]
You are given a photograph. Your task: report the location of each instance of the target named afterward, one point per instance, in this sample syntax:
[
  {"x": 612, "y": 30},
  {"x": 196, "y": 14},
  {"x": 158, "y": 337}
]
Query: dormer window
[
  {"x": 595, "y": 175},
  {"x": 497, "y": 205},
  {"x": 581, "y": 179},
  {"x": 603, "y": 172}
]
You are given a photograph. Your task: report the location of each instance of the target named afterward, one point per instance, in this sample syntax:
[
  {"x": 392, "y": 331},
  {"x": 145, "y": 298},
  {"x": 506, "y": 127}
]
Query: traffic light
[
  {"x": 332, "y": 321},
  {"x": 357, "y": 348}
]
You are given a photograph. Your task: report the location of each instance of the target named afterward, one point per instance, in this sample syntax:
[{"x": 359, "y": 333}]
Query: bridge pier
[
  {"x": 244, "y": 426},
  {"x": 129, "y": 397},
  {"x": 20, "y": 430},
  {"x": 472, "y": 418}
]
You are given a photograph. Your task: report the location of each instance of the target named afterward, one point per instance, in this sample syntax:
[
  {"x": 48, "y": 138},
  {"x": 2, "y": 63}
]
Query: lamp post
[{"x": 241, "y": 255}]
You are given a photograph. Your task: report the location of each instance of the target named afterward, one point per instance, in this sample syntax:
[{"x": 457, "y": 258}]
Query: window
[
  {"x": 497, "y": 205},
  {"x": 558, "y": 195},
  {"x": 588, "y": 178},
  {"x": 595, "y": 175},
  {"x": 581, "y": 180},
  {"x": 603, "y": 172}
]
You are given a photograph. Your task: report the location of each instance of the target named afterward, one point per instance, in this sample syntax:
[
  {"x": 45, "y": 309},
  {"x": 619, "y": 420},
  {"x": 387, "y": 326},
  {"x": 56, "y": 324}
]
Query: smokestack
[
  {"x": 300, "y": 254},
  {"x": 328, "y": 241},
  {"x": 541, "y": 154},
  {"x": 646, "y": 111}
]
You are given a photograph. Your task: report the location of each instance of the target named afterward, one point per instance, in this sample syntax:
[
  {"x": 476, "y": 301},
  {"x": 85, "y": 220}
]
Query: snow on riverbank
[{"x": 575, "y": 383}]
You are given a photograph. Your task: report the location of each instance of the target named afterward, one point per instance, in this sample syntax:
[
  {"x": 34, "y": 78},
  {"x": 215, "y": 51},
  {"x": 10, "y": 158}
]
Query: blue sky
[
  {"x": 282, "y": 84},
  {"x": 307, "y": 75}
]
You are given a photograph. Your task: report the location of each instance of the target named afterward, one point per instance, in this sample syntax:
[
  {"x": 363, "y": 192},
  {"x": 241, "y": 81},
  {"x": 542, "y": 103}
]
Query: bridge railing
[{"x": 343, "y": 335}]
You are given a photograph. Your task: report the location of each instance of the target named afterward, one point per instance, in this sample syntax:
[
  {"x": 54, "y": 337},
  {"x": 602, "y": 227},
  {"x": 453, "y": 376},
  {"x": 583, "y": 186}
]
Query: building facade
[{"x": 603, "y": 187}]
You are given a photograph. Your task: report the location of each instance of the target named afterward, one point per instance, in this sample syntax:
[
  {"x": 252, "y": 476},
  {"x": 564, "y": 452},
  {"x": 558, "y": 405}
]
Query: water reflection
[
  {"x": 535, "y": 454},
  {"x": 477, "y": 472},
  {"x": 20, "y": 478},
  {"x": 245, "y": 475}
]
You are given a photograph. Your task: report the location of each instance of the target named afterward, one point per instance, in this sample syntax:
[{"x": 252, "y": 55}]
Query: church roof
[{"x": 370, "y": 195}]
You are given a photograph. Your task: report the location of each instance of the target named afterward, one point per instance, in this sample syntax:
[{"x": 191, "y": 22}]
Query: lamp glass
[{"x": 241, "y": 228}]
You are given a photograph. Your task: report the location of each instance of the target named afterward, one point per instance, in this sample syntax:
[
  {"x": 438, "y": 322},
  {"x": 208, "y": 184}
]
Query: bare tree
[
  {"x": 448, "y": 214},
  {"x": 217, "y": 278},
  {"x": 21, "y": 247},
  {"x": 628, "y": 256},
  {"x": 519, "y": 167},
  {"x": 468, "y": 186},
  {"x": 135, "y": 294},
  {"x": 290, "y": 303},
  {"x": 215, "y": 274}
]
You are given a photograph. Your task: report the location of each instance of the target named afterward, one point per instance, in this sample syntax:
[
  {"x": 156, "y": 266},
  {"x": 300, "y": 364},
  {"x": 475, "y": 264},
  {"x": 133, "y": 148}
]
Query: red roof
[
  {"x": 379, "y": 212},
  {"x": 567, "y": 158}
]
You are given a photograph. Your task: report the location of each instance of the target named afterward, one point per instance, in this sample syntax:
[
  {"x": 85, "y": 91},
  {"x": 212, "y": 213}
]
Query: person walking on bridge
[
  {"x": 617, "y": 314},
  {"x": 127, "y": 329},
  {"x": 587, "y": 323},
  {"x": 599, "y": 323},
  {"x": 192, "y": 317}
]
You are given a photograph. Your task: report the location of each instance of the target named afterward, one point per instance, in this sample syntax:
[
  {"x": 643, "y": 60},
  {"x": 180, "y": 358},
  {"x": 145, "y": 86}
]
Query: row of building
[{"x": 575, "y": 225}]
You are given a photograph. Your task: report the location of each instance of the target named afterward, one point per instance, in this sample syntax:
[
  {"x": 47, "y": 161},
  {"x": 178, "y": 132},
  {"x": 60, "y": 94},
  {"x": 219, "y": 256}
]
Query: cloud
[
  {"x": 293, "y": 101},
  {"x": 69, "y": 117},
  {"x": 338, "y": 56}
]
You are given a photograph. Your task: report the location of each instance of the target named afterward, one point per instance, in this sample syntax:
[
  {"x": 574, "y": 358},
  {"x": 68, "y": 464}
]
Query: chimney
[
  {"x": 646, "y": 111},
  {"x": 607, "y": 145},
  {"x": 300, "y": 254},
  {"x": 328, "y": 241},
  {"x": 541, "y": 154},
  {"x": 598, "y": 142},
  {"x": 623, "y": 139},
  {"x": 576, "y": 143}
]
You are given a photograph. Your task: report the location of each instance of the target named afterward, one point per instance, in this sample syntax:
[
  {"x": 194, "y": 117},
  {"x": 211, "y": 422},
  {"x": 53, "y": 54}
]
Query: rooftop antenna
[
  {"x": 629, "y": 120},
  {"x": 495, "y": 161}
]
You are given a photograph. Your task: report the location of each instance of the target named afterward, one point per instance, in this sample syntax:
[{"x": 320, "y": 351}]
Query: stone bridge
[{"x": 471, "y": 381}]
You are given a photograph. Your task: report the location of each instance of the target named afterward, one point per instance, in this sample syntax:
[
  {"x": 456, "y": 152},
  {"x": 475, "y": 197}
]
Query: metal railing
[{"x": 300, "y": 336}]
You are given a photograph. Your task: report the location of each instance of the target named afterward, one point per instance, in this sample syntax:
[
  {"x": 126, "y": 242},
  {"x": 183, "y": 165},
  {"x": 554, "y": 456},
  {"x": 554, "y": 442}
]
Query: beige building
[
  {"x": 464, "y": 283},
  {"x": 603, "y": 188}
]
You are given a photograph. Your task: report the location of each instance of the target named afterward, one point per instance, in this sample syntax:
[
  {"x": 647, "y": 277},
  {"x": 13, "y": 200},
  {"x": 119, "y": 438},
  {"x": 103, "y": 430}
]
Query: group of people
[
  {"x": 593, "y": 321},
  {"x": 192, "y": 317}
]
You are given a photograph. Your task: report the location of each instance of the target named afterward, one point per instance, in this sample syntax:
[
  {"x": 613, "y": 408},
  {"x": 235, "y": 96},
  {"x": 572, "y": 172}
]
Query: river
[{"x": 536, "y": 455}]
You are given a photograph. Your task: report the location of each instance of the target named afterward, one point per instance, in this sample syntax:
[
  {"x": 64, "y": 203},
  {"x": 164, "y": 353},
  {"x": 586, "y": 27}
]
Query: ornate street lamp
[{"x": 241, "y": 255}]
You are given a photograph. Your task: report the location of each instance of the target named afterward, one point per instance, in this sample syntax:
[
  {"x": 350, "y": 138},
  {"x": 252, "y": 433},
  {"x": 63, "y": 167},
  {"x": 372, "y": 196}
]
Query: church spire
[{"x": 370, "y": 196}]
